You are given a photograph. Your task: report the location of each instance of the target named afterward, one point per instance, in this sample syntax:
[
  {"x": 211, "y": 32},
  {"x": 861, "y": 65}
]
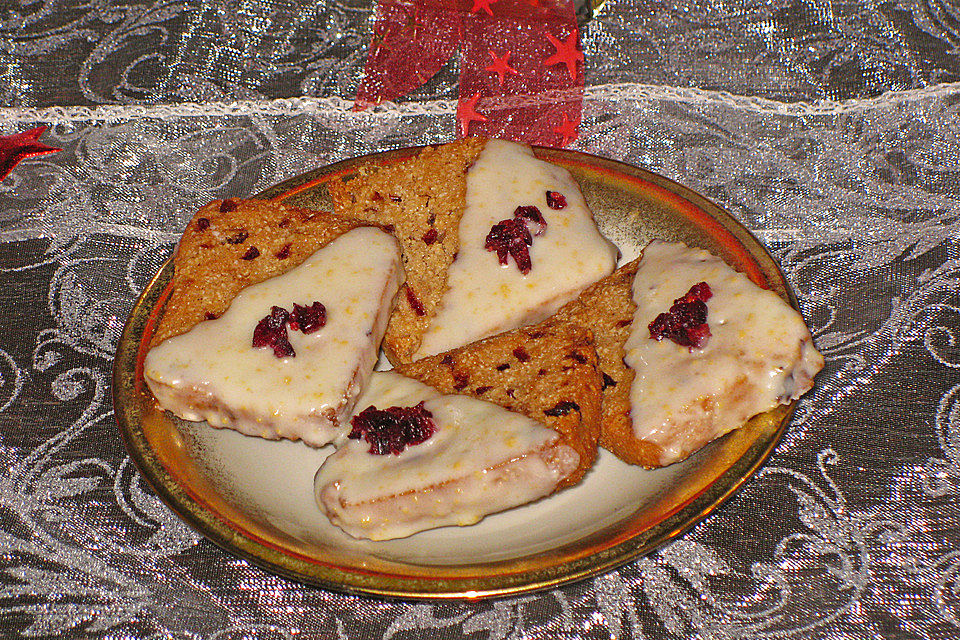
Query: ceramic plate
[{"x": 254, "y": 498}]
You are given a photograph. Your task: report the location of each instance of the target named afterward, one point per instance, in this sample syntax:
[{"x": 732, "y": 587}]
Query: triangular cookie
[{"x": 534, "y": 432}]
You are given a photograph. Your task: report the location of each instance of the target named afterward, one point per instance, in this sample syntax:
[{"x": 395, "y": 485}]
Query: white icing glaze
[
  {"x": 482, "y": 459},
  {"x": 760, "y": 353},
  {"x": 485, "y": 297},
  {"x": 213, "y": 372}
]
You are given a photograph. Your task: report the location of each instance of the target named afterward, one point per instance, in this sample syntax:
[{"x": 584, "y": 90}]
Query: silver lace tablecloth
[{"x": 852, "y": 530}]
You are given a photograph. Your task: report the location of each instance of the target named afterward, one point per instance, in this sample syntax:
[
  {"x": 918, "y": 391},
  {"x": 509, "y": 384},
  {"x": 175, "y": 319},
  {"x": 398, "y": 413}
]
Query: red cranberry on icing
[
  {"x": 511, "y": 237},
  {"x": 309, "y": 319},
  {"x": 392, "y": 430},
  {"x": 556, "y": 200},
  {"x": 533, "y": 214},
  {"x": 271, "y": 331},
  {"x": 699, "y": 291},
  {"x": 686, "y": 321}
]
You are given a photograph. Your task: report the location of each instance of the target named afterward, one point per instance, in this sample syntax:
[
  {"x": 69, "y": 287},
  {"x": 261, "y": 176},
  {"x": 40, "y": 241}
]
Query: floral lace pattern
[
  {"x": 161, "y": 51},
  {"x": 850, "y": 531}
]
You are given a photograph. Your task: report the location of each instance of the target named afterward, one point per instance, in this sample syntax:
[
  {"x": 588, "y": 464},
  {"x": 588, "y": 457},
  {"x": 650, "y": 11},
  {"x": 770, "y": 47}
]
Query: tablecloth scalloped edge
[{"x": 10, "y": 116}]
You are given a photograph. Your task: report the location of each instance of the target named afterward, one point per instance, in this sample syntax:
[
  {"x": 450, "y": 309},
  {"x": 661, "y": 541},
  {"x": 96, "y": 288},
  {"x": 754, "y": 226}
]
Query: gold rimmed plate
[{"x": 254, "y": 498}]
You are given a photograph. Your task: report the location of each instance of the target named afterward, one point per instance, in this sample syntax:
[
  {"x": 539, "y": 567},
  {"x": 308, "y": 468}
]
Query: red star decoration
[
  {"x": 398, "y": 33},
  {"x": 500, "y": 66},
  {"x": 483, "y": 4},
  {"x": 18, "y": 146},
  {"x": 568, "y": 130},
  {"x": 415, "y": 22},
  {"x": 466, "y": 113},
  {"x": 379, "y": 40},
  {"x": 567, "y": 53}
]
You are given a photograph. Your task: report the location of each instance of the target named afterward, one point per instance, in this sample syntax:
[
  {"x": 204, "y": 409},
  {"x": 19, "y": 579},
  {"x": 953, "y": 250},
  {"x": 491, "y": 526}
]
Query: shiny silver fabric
[{"x": 852, "y": 530}]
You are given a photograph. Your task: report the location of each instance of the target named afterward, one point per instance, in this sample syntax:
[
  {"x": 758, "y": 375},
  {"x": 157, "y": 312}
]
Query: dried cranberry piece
[
  {"x": 203, "y": 224},
  {"x": 698, "y": 335},
  {"x": 556, "y": 200},
  {"x": 686, "y": 321},
  {"x": 284, "y": 252},
  {"x": 699, "y": 291},
  {"x": 415, "y": 303},
  {"x": 392, "y": 430},
  {"x": 533, "y": 214},
  {"x": 430, "y": 236},
  {"x": 309, "y": 319},
  {"x": 237, "y": 238},
  {"x": 251, "y": 253},
  {"x": 511, "y": 237},
  {"x": 521, "y": 354},
  {"x": 271, "y": 331},
  {"x": 562, "y": 408},
  {"x": 228, "y": 205}
]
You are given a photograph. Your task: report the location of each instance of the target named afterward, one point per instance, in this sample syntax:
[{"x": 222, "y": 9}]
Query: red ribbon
[
  {"x": 18, "y": 146},
  {"x": 521, "y": 71}
]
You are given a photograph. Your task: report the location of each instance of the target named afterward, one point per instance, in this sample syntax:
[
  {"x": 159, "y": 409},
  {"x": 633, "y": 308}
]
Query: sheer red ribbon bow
[{"x": 521, "y": 69}]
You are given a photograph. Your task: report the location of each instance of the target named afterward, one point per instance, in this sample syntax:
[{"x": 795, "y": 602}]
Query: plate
[{"x": 254, "y": 498}]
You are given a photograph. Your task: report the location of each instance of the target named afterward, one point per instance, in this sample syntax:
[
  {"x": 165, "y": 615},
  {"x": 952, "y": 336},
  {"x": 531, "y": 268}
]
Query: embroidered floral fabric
[{"x": 852, "y": 529}]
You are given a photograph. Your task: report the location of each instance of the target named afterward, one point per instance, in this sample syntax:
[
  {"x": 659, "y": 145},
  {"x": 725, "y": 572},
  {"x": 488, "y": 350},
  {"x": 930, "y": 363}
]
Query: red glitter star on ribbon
[
  {"x": 567, "y": 53},
  {"x": 18, "y": 146},
  {"x": 500, "y": 66},
  {"x": 467, "y": 113},
  {"x": 567, "y": 130},
  {"x": 483, "y": 4}
]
